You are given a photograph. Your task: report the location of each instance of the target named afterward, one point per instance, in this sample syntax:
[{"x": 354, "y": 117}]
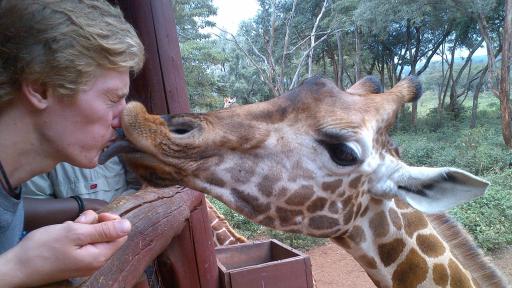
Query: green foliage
[{"x": 489, "y": 218}]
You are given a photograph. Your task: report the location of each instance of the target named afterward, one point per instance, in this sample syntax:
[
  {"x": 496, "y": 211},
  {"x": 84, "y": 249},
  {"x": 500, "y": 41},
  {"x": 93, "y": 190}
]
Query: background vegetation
[{"x": 463, "y": 119}]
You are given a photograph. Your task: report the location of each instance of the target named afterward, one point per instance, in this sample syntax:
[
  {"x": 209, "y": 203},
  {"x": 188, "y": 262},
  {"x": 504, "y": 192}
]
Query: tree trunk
[
  {"x": 357, "y": 63},
  {"x": 341, "y": 61},
  {"x": 504, "y": 92},
  {"x": 476, "y": 93},
  {"x": 312, "y": 38}
]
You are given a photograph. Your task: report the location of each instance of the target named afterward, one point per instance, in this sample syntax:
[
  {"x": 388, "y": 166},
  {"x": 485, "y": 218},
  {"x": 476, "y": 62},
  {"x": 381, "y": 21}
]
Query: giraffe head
[
  {"x": 303, "y": 162},
  {"x": 228, "y": 102}
]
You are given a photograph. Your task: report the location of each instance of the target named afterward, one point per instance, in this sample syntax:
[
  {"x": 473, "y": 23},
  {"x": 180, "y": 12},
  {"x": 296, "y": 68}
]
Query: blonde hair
[{"x": 61, "y": 43}]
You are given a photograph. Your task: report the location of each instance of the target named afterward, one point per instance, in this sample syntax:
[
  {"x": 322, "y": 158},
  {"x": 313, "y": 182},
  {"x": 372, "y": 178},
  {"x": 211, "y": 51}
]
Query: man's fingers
[
  {"x": 105, "y": 231},
  {"x": 103, "y": 217},
  {"x": 87, "y": 217}
]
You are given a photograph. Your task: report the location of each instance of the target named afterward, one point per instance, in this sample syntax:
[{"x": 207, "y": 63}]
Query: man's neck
[{"x": 21, "y": 151}]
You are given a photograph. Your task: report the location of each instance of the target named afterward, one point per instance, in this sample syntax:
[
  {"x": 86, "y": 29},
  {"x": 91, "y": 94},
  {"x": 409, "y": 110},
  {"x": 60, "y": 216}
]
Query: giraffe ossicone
[{"x": 319, "y": 161}]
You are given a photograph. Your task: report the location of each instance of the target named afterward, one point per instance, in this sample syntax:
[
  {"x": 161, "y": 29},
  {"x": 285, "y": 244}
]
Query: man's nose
[{"x": 116, "y": 121}]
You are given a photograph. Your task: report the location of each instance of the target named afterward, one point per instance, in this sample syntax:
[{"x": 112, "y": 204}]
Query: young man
[{"x": 64, "y": 76}]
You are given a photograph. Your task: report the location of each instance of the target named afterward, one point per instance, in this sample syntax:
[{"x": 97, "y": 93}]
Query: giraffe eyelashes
[{"x": 341, "y": 153}]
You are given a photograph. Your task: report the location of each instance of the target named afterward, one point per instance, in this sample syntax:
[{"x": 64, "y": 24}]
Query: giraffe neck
[
  {"x": 223, "y": 234},
  {"x": 398, "y": 247}
]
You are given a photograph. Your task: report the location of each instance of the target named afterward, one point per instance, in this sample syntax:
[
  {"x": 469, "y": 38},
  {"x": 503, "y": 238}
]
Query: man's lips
[{"x": 117, "y": 146}]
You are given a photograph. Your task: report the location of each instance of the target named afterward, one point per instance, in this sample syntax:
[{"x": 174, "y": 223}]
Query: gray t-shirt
[{"x": 11, "y": 220}]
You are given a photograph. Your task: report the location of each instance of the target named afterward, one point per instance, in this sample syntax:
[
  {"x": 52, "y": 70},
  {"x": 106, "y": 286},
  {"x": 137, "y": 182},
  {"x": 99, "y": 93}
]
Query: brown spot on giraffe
[
  {"x": 357, "y": 234},
  {"x": 401, "y": 204},
  {"x": 267, "y": 221},
  {"x": 458, "y": 279},
  {"x": 390, "y": 251},
  {"x": 348, "y": 213},
  {"x": 333, "y": 207},
  {"x": 367, "y": 261},
  {"x": 282, "y": 193},
  {"x": 430, "y": 245},
  {"x": 317, "y": 204},
  {"x": 347, "y": 201},
  {"x": 287, "y": 217},
  {"x": 214, "y": 179},
  {"x": 379, "y": 225},
  {"x": 332, "y": 186},
  {"x": 358, "y": 210},
  {"x": 395, "y": 218},
  {"x": 365, "y": 211},
  {"x": 301, "y": 196},
  {"x": 322, "y": 222},
  {"x": 411, "y": 272},
  {"x": 342, "y": 241},
  {"x": 440, "y": 275},
  {"x": 267, "y": 184},
  {"x": 414, "y": 221},
  {"x": 250, "y": 204},
  {"x": 355, "y": 182},
  {"x": 375, "y": 201}
]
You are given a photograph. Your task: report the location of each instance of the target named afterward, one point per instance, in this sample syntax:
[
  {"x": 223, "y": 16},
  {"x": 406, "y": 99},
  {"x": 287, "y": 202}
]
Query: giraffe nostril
[
  {"x": 180, "y": 125},
  {"x": 182, "y": 128}
]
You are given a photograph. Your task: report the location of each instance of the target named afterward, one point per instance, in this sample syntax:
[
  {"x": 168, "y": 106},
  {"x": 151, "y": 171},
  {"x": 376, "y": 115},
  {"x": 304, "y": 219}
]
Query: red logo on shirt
[{"x": 93, "y": 186}]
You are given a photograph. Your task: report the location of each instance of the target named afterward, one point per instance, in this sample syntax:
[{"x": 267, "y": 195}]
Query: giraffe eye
[{"x": 342, "y": 154}]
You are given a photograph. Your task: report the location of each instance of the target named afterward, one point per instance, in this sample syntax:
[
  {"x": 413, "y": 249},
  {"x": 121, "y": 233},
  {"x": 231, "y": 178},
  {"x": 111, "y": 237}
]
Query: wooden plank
[
  {"x": 204, "y": 246},
  {"x": 147, "y": 87},
  {"x": 170, "y": 57},
  {"x": 175, "y": 266},
  {"x": 157, "y": 215}
]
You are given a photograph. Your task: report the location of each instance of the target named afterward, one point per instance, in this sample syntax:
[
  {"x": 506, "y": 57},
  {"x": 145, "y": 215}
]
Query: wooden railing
[{"x": 170, "y": 225}]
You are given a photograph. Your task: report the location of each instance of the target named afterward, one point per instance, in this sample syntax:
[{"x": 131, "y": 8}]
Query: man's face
[{"x": 80, "y": 128}]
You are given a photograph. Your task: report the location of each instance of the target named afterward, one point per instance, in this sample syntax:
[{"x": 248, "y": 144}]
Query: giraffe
[
  {"x": 230, "y": 102},
  {"x": 319, "y": 161},
  {"x": 223, "y": 233}
]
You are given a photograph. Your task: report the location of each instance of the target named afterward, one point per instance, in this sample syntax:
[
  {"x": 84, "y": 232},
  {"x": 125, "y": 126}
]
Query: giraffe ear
[{"x": 432, "y": 190}]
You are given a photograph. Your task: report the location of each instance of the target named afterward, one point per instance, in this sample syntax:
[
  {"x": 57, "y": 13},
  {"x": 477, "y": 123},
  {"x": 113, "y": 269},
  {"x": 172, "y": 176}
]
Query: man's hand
[{"x": 63, "y": 251}]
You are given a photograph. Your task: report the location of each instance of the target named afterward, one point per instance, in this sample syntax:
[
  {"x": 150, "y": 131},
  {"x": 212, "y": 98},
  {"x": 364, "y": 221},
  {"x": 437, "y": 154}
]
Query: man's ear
[
  {"x": 35, "y": 93},
  {"x": 433, "y": 190}
]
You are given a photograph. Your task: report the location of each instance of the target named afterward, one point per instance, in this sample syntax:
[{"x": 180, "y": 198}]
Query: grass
[{"x": 440, "y": 141}]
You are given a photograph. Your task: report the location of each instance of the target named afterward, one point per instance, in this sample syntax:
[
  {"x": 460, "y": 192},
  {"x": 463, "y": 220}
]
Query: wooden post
[{"x": 161, "y": 83}]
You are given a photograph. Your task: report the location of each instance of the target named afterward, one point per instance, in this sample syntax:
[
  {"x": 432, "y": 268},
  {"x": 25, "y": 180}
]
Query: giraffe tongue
[{"x": 120, "y": 146}]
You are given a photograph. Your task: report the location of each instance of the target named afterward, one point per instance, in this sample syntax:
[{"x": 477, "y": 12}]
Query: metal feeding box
[{"x": 263, "y": 264}]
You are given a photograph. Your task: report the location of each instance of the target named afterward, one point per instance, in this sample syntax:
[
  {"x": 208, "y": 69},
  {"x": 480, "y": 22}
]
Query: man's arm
[
  {"x": 41, "y": 212},
  {"x": 42, "y": 208},
  {"x": 63, "y": 251}
]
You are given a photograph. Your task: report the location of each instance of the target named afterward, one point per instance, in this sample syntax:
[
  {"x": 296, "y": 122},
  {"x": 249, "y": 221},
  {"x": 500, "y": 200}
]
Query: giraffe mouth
[{"x": 121, "y": 145}]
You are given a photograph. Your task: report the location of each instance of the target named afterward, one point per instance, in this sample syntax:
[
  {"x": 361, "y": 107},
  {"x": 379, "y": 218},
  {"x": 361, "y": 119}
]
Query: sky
[{"x": 231, "y": 12}]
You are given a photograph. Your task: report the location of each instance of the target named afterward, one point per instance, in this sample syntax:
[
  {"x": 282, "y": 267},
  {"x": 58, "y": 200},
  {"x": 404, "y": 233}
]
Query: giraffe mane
[{"x": 464, "y": 249}]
